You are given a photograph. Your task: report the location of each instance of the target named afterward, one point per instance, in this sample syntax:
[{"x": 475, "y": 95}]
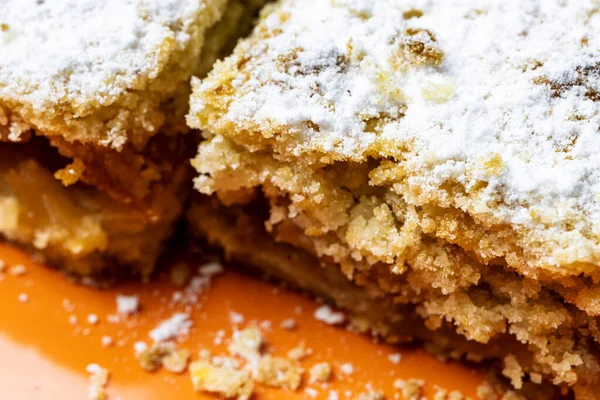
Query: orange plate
[{"x": 44, "y": 356}]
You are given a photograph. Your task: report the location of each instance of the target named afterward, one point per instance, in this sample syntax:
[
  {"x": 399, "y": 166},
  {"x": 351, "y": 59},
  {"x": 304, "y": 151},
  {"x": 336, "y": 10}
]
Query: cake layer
[
  {"x": 487, "y": 111},
  {"x": 79, "y": 228},
  {"x": 240, "y": 232}
]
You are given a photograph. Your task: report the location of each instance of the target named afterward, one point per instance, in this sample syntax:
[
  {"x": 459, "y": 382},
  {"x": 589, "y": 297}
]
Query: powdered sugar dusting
[{"x": 501, "y": 98}]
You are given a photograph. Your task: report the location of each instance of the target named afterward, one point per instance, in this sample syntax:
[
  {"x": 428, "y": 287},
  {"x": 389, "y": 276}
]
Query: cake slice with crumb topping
[
  {"x": 442, "y": 155},
  {"x": 98, "y": 72},
  {"x": 93, "y": 140}
]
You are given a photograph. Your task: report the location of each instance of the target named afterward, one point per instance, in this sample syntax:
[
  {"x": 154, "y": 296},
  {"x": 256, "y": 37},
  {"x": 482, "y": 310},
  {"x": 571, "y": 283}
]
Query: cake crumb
[
  {"x": 128, "y": 305},
  {"x": 265, "y": 325},
  {"x": 513, "y": 371},
  {"x": 310, "y": 392},
  {"x": 326, "y": 314},
  {"x": 72, "y": 319},
  {"x": 279, "y": 372},
  {"x": 440, "y": 393},
  {"x": 23, "y": 297},
  {"x": 320, "y": 372},
  {"x": 443, "y": 394},
  {"x": 395, "y": 358},
  {"x": 412, "y": 389},
  {"x": 333, "y": 395},
  {"x": 106, "y": 341},
  {"x": 68, "y": 306},
  {"x": 288, "y": 324},
  {"x": 150, "y": 359},
  {"x": 179, "y": 324},
  {"x": 535, "y": 377},
  {"x": 370, "y": 395},
  {"x": 162, "y": 354},
  {"x": 347, "y": 368},
  {"x": 18, "y": 270},
  {"x": 226, "y": 382},
  {"x": 204, "y": 354},
  {"x": 299, "y": 352},
  {"x": 113, "y": 318},
  {"x": 139, "y": 346},
  {"x": 225, "y": 361},
  {"x": 92, "y": 319},
  {"x": 485, "y": 391},
  {"x": 97, "y": 382},
  {"x": 176, "y": 361},
  {"x": 247, "y": 344},
  {"x": 219, "y": 336},
  {"x": 236, "y": 318}
]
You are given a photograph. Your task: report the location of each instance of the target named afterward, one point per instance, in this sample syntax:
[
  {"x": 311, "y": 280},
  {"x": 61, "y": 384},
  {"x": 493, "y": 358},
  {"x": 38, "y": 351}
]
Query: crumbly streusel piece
[
  {"x": 166, "y": 355},
  {"x": 222, "y": 380},
  {"x": 279, "y": 372},
  {"x": 412, "y": 389},
  {"x": 320, "y": 372}
]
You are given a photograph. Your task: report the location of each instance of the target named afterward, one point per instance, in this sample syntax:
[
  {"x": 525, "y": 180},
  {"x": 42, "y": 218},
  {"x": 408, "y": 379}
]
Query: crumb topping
[
  {"x": 371, "y": 395},
  {"x": 69, "y": 59}
]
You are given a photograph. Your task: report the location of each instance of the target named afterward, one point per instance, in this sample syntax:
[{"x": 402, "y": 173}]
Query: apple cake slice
[
  {"x": 443, "y": 155},
  {"x": 93, "y": 139}
]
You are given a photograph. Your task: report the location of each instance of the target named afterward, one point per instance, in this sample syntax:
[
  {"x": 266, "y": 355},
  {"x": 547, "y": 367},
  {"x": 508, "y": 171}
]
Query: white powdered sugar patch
[
  {"x": 395, "y": 358},
  {"x": 512, "y": 113},
  {"x": 128, "y": 305},
  {"x": 179, "y": 324},
  {"x": 347, "y": 368},
  {"x": 327, "y": 315},
  {"x": 236, "y": 318},
  {"x": 140, "y": 347}
]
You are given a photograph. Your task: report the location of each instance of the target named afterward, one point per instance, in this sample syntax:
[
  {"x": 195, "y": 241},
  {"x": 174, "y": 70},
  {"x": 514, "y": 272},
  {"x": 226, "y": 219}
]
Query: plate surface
[{"x": 45, "y": 354}]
